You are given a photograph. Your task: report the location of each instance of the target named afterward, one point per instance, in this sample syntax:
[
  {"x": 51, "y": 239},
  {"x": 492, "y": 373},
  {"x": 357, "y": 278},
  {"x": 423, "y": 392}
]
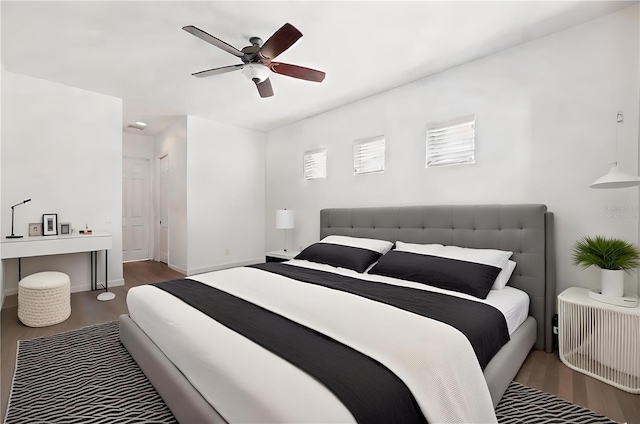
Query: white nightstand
[
  {"x": 281, "y": 255},
  {"x": 599, "y": 339}
]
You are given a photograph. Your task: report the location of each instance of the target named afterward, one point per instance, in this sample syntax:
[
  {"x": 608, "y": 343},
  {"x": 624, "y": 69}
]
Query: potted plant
[{"x": 613, "y": 256}]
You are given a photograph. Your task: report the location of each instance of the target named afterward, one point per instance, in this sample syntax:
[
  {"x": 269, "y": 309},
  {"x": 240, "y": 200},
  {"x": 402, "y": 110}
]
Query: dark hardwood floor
[
  {"x": 544, "y": 371},
  {"x": 541, "y": 370}
]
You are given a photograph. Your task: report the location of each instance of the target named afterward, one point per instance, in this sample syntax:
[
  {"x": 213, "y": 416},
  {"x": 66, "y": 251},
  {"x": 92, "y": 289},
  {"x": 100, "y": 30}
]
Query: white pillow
[
  {"x": 496, "y": 258},
  {"x": 423, "y": 249},
  {"x": 380, "y": 246},
  {"x": 503, "y": 278}
]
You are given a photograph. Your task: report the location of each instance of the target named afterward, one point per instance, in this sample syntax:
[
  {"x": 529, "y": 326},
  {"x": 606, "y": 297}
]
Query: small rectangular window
[
  {"x": 315, "y": 164},
  {"x": 451, "y": 142},
  {"x": 368, "y": 156}
]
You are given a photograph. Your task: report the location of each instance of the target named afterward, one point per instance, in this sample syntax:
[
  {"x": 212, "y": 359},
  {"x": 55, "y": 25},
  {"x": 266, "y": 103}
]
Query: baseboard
[
  {"x": 136, "y": 260},
  {"x": 223, "y": 266},
  {"x": 178, "y": 269},
  {"x": 74, "y": 288},
  {"x": 112, "y": 283}
]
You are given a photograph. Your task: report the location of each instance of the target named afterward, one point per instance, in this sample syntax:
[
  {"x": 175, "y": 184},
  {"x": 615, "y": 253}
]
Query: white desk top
[{"x": 55, "y": 245}]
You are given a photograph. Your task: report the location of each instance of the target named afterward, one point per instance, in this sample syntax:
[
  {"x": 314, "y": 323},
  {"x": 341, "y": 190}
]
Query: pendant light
[{"x": 615, "y": 178}]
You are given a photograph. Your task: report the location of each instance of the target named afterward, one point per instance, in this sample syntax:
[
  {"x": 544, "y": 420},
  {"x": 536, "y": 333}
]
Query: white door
[
  {"x": 164, "y": 209},
  {"x": 136, "y": 189}
]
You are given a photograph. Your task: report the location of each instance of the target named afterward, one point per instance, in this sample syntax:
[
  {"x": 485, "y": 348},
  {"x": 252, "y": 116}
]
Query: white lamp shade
[
  {"x": 615, "y": 179},
  {"x": 284, "y": 219}
]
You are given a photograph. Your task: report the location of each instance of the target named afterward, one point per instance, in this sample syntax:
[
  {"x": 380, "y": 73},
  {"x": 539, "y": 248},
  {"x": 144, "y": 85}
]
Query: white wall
[
  {"x": 638, "y": 78},
  {"x": 138, "y": 146},
  {"x": 1, "y": 263},
  {"x": 545, "y": 129},
  {"x": 61, "y": 147},
  {"x": 225, "y": 194},
  {"x": 173, "y": 141},
  {"x": 216, "y": 194}
]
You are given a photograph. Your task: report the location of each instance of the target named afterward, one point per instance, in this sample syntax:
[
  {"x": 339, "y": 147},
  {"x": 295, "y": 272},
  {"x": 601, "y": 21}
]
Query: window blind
[
  {"x": 315, "y": 164},
  {"x": 368, "y": 156},
  {"x": 451, "y": 142}
]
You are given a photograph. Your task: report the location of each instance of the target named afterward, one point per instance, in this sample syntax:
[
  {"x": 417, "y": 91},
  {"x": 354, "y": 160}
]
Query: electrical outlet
[{"x": 108, "y": 219}]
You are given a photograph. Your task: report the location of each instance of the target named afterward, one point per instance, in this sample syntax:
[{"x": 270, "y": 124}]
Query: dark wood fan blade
[
  {"x": 264, "y": 87},
  {"x": 218, "y": 71},
  {"x": 280, "y": 41},
  {"x": 212, "y": 40},
  {"x": 296, "y": 71}
]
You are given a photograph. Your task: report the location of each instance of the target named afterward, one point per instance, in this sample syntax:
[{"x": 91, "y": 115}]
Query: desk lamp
[{"x": 13, "y": 236}]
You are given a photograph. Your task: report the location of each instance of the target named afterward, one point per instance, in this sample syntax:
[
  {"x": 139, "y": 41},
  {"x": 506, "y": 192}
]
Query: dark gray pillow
[
  {"x": 355, "y": 258},
  {"x": 449, "y": 274}
]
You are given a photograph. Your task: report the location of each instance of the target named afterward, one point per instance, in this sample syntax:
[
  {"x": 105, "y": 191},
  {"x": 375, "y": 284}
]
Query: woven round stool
[{"x": 44, "y": 299}]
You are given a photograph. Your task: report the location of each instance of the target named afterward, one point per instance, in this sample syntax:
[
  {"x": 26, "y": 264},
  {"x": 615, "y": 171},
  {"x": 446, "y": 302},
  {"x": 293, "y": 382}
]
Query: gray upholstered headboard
[{"x": 526, "y": 230}]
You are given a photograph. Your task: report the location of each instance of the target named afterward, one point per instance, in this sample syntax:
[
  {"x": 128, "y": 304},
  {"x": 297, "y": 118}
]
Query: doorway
[{"x": 136, "y": 209}]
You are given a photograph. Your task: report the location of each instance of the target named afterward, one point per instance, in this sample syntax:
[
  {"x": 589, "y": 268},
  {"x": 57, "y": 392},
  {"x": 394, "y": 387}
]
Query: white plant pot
[{"x": 612, "y": 282}]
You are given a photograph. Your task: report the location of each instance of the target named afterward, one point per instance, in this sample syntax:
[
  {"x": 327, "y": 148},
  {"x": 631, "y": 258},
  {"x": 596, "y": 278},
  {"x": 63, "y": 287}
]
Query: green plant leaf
[{"x": 605, "y": 253}]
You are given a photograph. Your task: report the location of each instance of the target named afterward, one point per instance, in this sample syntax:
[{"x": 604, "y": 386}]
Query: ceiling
[{"x": 137, "y": 50}]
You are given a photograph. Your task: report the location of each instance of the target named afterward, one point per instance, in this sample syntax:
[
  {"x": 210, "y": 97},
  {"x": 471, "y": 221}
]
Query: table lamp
[
  {"x": 284, "y": 221},
  {"x": 12, "y": 236}
]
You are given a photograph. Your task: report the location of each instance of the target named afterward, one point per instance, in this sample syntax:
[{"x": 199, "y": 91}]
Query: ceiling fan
[{"x": 257, "y": 58}]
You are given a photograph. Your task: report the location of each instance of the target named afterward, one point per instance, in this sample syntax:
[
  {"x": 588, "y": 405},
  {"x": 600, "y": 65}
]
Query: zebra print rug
[
  {"x": 87, "y": 376},
  {"x": 524, "y": 405},
  {"x": 82, "y": 376}
]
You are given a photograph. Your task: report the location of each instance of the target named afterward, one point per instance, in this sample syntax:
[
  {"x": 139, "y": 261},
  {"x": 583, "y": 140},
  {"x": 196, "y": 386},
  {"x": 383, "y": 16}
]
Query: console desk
[{"x": 28, "y": 247}]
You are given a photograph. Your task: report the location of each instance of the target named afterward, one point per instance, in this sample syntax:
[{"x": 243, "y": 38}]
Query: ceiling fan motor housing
[{"x": 255, "y": 71}]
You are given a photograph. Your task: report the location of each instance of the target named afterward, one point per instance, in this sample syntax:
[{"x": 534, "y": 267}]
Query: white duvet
[{"x": 246, "y": 383}]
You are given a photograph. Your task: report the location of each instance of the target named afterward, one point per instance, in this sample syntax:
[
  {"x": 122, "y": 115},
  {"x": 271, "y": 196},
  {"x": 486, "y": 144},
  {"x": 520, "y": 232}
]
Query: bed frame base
[
  {"x": 188, "y": 405},
  {"x": 184, "y": 401},
  {"x": 504, "y": 366}
]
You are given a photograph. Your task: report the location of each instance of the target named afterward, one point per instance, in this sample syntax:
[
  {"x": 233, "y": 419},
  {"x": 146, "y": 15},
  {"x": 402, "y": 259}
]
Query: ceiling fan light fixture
[{"x": 255, "y": 71}]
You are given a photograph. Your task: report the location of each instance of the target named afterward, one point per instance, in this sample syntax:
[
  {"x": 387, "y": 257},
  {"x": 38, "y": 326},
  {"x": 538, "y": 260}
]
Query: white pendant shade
[
  {"x": 615, "y": 179},
  {"x": 284, "y": 219}
]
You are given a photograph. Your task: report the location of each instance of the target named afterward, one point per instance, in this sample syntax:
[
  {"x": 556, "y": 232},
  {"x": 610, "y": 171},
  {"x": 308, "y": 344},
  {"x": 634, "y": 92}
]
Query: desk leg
[
  {"x": 106, "y": 269},
  {"x": 19, "y": 269},
  {"x": 95, "y": 270},
  {"x": 107, "y": 295},
  {"x": 92, "y": 270}
]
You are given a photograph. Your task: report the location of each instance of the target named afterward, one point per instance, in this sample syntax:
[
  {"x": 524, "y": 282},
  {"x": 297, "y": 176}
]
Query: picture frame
[
  {"x": 64, "y": 228},
  {"x": 50, "y": 224},
  {"x": 35, "y": 229}
]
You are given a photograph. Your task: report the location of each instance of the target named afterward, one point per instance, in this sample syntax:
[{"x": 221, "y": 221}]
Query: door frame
[{"x": 156, "y": 220}]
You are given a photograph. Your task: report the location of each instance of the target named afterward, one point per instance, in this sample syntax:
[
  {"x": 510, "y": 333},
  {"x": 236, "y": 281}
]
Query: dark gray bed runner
[
  {"x": 484, "y": 325},
  {"x": 369, "y": 390}
]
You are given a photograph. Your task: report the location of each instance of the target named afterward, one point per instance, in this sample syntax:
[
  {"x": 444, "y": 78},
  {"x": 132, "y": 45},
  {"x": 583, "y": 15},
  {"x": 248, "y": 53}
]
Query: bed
[{"x": 526, "y": 230}]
